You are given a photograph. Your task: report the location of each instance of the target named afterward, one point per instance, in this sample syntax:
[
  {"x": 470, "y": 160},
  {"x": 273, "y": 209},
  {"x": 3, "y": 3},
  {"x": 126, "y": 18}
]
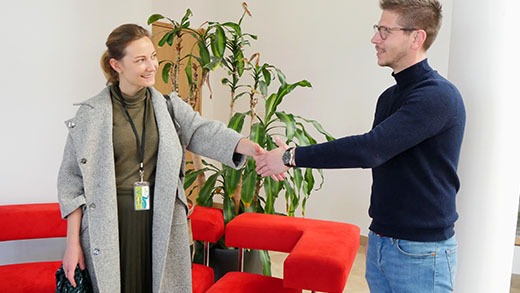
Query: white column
[{"x": 485, "y": 64}]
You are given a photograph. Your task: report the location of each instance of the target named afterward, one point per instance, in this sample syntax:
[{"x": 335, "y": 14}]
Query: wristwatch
[{"x": 288, "y": 156}]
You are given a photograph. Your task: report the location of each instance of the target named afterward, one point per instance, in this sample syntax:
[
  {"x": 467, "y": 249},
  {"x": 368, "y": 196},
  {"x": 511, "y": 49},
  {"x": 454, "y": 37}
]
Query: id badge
[{"x": 141, "y": 196}]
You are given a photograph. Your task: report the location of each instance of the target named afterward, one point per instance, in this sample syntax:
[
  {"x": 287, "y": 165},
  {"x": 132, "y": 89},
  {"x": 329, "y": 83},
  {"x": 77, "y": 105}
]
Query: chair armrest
[
  {"x": 207, "y": 224},
  {"x": 321, "y": 253},
  {"x": 31, "y": 221}
]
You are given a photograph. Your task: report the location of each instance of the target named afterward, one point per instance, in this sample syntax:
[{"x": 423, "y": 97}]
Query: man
[{"x": 413, "y": 149}]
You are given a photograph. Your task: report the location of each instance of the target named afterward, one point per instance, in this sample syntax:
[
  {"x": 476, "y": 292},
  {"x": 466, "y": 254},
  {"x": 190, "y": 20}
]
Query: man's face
[{"x": 393, "y": 46}]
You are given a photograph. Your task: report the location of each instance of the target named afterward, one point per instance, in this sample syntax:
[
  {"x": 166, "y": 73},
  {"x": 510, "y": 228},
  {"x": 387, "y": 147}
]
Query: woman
[{"x": 120, "y": 182}]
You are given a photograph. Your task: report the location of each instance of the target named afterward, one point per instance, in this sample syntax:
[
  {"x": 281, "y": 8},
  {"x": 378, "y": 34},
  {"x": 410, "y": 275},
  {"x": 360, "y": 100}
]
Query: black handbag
[{"x": 82, "y": 278}]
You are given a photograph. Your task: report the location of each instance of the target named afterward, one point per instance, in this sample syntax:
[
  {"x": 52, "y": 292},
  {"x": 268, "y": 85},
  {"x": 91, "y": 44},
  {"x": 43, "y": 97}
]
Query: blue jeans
[{"x": 400, "y": 266}]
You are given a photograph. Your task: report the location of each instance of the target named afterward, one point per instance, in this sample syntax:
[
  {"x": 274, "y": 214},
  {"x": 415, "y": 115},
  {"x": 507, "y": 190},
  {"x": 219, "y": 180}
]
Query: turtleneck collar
[
  {"x": 412, "y": 73},
  {"x": 129, "y": 100}
]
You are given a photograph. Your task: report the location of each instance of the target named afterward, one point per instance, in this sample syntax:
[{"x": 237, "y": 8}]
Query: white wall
[{"x": 50, "y": 52}]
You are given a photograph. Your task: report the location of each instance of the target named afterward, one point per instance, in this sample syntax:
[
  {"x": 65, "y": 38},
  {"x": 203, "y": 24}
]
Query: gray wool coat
[{"x": 86, "y": 180}]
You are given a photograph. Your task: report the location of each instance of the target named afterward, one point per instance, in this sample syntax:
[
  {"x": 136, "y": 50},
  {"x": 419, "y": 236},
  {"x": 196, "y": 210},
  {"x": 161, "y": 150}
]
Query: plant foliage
[{"x": 222, "y": 46}]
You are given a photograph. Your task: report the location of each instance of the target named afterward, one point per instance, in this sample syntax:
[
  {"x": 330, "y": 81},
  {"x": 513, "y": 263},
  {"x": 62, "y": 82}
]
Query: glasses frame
[{"x": 385, "y": 31}]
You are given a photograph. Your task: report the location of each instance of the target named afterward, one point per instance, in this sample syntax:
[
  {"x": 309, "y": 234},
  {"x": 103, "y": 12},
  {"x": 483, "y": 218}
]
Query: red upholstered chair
[
  {"x": 321, "y": 253},
  {"x": 30, "y": 221},
  {"x": 33, "y": 221},
  {"x": 207, "y": 225}
]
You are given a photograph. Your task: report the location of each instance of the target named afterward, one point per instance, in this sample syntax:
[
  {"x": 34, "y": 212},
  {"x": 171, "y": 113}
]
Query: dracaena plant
[{"x": 223, "y": 46}]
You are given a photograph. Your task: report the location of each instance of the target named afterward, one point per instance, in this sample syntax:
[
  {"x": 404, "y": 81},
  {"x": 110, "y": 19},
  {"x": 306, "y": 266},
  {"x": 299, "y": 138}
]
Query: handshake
[{"x": 270, "y": 163}]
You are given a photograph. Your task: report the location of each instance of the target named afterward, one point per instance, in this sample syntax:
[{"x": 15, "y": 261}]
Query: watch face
[{"x": 286, "y": 157}]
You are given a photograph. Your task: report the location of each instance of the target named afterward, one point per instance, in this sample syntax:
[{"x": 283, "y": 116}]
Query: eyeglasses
[{"x": 384, "y": 31}]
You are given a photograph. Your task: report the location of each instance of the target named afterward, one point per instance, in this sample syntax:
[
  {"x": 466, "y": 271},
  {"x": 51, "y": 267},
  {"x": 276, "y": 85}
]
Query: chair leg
[
  {"x": 240, "y": 259},
  {"x": 206, "y": 253}
]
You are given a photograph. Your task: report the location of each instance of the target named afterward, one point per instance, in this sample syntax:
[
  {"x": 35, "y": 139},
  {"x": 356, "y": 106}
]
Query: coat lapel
[{"x": 169, "y": 158}]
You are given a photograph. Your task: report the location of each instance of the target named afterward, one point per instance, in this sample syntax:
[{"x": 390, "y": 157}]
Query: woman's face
[{"x": 137, "y": 68}]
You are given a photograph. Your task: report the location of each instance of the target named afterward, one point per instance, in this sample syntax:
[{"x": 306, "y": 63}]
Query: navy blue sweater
[{"x": 413, "y": 150}]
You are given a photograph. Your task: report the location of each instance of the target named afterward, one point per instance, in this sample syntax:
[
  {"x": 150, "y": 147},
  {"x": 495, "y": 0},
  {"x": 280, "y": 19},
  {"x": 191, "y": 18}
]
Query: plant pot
[{"x": 224, "y": 260}]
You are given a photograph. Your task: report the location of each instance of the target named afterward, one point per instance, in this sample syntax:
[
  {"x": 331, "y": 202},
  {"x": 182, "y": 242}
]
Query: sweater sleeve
[{"x": 423, "y": 114}]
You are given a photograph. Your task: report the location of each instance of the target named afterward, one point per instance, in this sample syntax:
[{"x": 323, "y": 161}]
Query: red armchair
[
  {"x": 33, "y": 221},
  {"x": 30, "y": 221},
  {"x": 207, "y": 225},
  {"x": 321, "y": 253}
]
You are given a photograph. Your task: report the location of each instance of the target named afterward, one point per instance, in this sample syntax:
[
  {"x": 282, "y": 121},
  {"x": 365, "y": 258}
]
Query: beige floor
[{"x": 356, "y": 282}]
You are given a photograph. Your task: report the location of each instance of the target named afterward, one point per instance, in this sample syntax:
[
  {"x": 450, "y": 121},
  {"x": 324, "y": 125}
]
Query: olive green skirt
[{"x": 135, "y": 244}]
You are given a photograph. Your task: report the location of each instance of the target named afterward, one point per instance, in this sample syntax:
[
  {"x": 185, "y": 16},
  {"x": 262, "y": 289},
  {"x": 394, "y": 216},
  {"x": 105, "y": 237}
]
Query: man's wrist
[
  {"x": 293, "y": 156},
  {"x": 288, "y": 157}
]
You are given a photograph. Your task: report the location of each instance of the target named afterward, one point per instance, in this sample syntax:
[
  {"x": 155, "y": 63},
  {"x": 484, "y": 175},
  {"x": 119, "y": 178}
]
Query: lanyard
[{"x": 139, "y": 142}]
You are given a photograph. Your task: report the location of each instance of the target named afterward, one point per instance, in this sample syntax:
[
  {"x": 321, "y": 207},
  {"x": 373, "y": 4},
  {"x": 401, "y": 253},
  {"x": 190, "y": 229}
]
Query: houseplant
[{"x": 222, "y": 46}]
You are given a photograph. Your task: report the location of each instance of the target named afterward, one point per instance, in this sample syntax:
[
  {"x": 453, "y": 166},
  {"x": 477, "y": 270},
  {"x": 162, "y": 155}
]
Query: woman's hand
[
  {"x": 73, "y": 252},
  {"x": 73, "y": 257}
]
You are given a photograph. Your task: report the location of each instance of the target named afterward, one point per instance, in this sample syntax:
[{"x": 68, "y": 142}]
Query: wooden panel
[{"x": 167, "y": 52}]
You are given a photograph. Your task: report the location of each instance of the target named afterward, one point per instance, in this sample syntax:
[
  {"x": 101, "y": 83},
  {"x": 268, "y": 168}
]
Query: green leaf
[
  {"x": 166, "y": 72},
  {"x": 192, "y": 176},
  {"x": 267, "y": 75},
  {"x": 266, "y": 262},
  {"x": 297, "y": 178},
  {"x": 254, "y": 37},
  {"x": 281, "y": 77},
  {"x": 289, "y": 198},
  {"x": 248, "y": 188},
  {"x": 262, "y": 86},
  {"x": 319, "y": 128},
  {"x": 186, "y": 25},
  {"x": 309, "y": 181},
  {"x": 231, "y": 179},
  {"x": 228, "y": 209},
  {"x": 237, "y": 122},
  {"x": 275, "y": 99},
  {"x": 290, "y": 124},
  {"x": 154, "y": 17},
  {"x": 258, "y": 133},
  {"x": 214, "y": 64},
  {"x": 203, "y": 53},
  {"x": 235, "y": 27},
  {"x": 225, "y": 81},
  {"x": 186, "y": 17},
  {"x": 189, "y": 72},
  {"x": 270, "y": 106},
  {"x": 240, "y": 62},
  {"x": 171, "y": 37},
  {"x": 205, "y": 197},
  {"x": 271, "y": 188},
  {"x": 164, "y": 38},
  {"x": 219, "y": 42}
]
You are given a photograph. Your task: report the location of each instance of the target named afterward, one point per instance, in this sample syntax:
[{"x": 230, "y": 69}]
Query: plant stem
[{"x": 175, "y": 75}]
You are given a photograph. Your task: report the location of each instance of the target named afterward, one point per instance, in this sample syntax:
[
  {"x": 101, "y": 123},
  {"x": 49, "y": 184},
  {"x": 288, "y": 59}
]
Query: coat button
[
  {"x": 96, "y": 251},
  {"x": 71, "y": 124},
  {"x": 92, "y": 206},
  {"x": 83, "y": 161}
]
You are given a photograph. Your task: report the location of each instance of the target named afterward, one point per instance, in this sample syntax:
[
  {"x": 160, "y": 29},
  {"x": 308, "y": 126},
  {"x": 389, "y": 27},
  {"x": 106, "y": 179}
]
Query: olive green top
[
  {"x": 135, "y": 227},
  {"x": 126, "y": 155}
]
